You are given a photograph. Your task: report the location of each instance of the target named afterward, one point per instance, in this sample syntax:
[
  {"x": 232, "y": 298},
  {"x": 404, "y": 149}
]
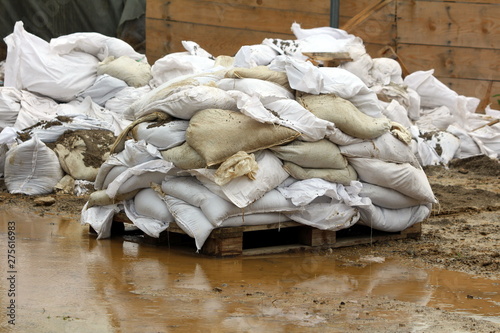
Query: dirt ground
[{"x": 462, "y": 234}]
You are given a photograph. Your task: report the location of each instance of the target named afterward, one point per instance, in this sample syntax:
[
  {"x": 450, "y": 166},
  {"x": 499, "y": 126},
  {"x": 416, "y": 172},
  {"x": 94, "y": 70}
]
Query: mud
[{"x": 446, "y": 281}]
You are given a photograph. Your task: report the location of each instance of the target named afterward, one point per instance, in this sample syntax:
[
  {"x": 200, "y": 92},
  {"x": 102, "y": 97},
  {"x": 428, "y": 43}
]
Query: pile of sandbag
[{"x": 264, "y": 136}]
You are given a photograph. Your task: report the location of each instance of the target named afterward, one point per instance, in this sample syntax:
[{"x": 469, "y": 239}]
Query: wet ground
[{"x": 67, "y": 281}]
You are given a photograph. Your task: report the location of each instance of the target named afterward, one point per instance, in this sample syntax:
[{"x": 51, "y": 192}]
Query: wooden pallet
[{"x": 272, "y": 238}]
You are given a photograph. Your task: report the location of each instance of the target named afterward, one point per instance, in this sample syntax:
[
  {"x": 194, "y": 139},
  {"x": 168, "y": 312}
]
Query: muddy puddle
[{"x": 67, "y": 281}]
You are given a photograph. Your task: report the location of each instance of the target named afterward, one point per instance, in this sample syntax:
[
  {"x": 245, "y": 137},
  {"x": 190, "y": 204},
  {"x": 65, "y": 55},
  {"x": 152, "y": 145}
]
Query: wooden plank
[
  {"x": 230, "y": 15},
  {"x": 315, "y": 237},
  {"x": 449, "y": 23},
  {"x": 452, "y": 62},
  {"x": 165, "y": 37},
  {"x": 156, "y": 8},
  {"x": 475, "y": 88}
]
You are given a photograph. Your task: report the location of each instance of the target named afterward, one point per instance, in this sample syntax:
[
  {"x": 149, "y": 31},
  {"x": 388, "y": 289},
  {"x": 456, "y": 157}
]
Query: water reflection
[{"x": 70, "y": 282}]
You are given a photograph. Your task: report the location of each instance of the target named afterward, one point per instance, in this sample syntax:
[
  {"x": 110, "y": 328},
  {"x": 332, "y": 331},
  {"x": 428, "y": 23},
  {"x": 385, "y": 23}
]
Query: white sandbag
[
  {"x": 386, "y": 148},
  {"x": 433, "y": 93},
  {"x": 414, "y": 106},
  {"x": 326, "y": 214},
  {"x": 386, "y": 197},
  {"x": 242, "y": 191},
  {"x": 254, "y": 219},
  {"x": 185, "y": 103},
  {"x": 404, "y": 177},
  {"x": 110, "y": 172},
  {"x": 148, "y": 212},
  {"x": 266, "y": 91},
  {"x": 215, "y": 208},
  {"x": 96, "y": 44},
  {"x": 184, "y": 157},
  {"x": 488, "y": 139},
  {"x": 468, "y": 147},
  {"x": 335, "y": 33},
  {"x": 190, "y": 219},
  {"x": 104, "y": 88},
  {"x": 61, "y": 77},
  {"x": 305, "y": 77},
  {"x": 134, "y": 73},
  {"x": 386, "y": 71},
  {"x": 10, "y": 105},
  {"x": 338, "y": 137},
  {"x": 100, "y": 218},
  {"x": 125, "y": 98},
  {"x": 285, "y": 112},
  {"x": 34, "y": 109},
  {"x": 345, "y": 115},
  {"x": 3, "y": 152},
  {"x": 319, "y": 154},
  {"x": 437, "y": 119},
  {"x": 396, "y": 112},
  {"x": 31, "y": 168},
  {"x": 342, "y": 176},
  {"x": 249, "y": 56},
  {"x": 393, "y": 220},
  {"x": 139, "y": 176},
  {"x": 178, "y": 64},
  {"x": 162, "y": 136},
  {"x": 218, "y": 134}
]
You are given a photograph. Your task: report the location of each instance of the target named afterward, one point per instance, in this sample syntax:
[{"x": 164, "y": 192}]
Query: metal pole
[{"x": 334, "y": 13}]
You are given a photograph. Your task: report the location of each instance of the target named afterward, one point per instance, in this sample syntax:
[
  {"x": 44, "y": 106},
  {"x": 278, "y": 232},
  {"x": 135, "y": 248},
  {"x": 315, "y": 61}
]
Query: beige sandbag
[
  {"x": 134, "y": 73},
  {"x": 217, "y": 134},
  {"x": 344, "y": 115},
  {"x": 341, "y": 176},
  {"x": 261, "y": 73},
  {"x": 184, "y": 157},
  {"x": 240, "y": 164},
  {"x": 322, "y": 154}
]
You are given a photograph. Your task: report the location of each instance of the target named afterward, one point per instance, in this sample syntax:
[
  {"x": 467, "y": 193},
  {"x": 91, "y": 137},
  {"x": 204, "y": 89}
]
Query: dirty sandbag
[
  {"x": 249, "y": 56},
  {"x": 255, "y": 219},
  {"x": 242, "y": 191},
  {"x": 135, "y": 74},
  {"x": 125, "y": 98},
  {"x": 436, "y": 147},
  {"x": 402, "y": 177},
  {"x": 100, "y": 218},
  {"x": 319, "y": 154},
  {"x": 31, "y": 168},
  {"x": 386, "y": 148},
  {"x": 218, "y": 134},
  {"x": 61, "y": 77},
  {"x": 101, "y": 198},
  {"x": 190, "y": 219},
  {"x": 261, "y": 73},
  {"x": 468, "y": 147},
  {"x": 82, "y": 152},
  {"x": 345, "y": 115},
  {"x": 393, "y": 220},
  {"x": 342, "y": 176},
  {"x": 161, "y": 135},
  {"x": 184, "y": 157}
]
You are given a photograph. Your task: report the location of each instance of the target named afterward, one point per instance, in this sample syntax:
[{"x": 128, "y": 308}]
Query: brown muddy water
[{"x": 64, "y": 280}]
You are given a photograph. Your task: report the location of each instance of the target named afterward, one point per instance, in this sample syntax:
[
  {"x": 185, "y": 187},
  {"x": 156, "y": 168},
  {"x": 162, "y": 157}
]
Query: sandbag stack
[{"x": 263, "y": 137}]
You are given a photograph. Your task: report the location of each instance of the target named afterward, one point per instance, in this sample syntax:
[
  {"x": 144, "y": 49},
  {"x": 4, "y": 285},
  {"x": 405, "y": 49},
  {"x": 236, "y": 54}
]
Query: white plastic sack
[
  {"x": 125, "y": 98},
  {"x": 386, "y": 197},
  {"x": 190, "y": 219},
  {"x": 266, "y": 91},
  {"x": 386, "y": 71},
  {"x": 393, "y": 220},
  {"x": 249, "y": 56},
  {"x": 468, "y": 147},
  {"x": 61, "y": 77},
  {"x": 404, "y": 177},
  {"x": 104, "y": 88},
  {"x": 100, "y": 218},
  {"x": 31, "y": 168},
  {"x": 10, "y": 105}
]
